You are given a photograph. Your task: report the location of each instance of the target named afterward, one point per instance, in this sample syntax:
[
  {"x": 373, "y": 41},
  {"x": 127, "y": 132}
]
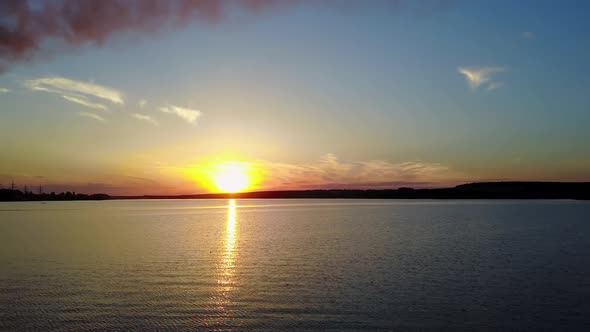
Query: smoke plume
[{"x": 30, "y": 28}]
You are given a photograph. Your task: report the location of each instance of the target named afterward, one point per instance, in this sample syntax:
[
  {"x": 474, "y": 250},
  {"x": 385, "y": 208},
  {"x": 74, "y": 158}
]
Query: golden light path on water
[
  {"x": 231, "y": 233},
  {"x": 226, "y": 268}
]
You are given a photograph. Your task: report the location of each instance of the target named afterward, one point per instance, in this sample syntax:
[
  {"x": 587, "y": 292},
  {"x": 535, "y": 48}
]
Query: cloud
[
  {"x": 77, "y": 89},
  {"x": 4, "y": 90},
  {"x": 92, "y": 116},
  {"x": 330, "y": 172},
  {"x": 189, "y": 115},
  {"x": 68, "y": 24},
  {"x": 477, "y": 76},
  {"x": 528, "y": 35},
  {"x": 142, "y": 103},
  {"x": 495, "y": 85},
  {"x": 84, "y": 102},
  {"x": 147, "y": 118}
]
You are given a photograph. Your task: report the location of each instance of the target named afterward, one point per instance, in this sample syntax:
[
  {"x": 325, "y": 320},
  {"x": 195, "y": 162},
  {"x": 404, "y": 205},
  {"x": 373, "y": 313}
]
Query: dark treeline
[
  {"x": 17, "y": 195},
  {"x": 481, "y": 190}
]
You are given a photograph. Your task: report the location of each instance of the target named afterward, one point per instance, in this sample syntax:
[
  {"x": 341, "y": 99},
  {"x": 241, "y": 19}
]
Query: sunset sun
[{"x": 232, "y": 178}]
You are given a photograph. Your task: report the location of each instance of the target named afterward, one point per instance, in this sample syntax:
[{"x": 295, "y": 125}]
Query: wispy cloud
[
  {"x": 77, "y": 91},
  {"x": 495, "y": 85},
  {"x": 4, "y": 90},
  {"x": 528, "y": 35},
  {"x": 92, "y": 116},
  {"x": 84, "y": 102},
  {"x": 189, "y": 115},
  {"x": 478, "y": 76},
  {"x": 330, "y": 172},
  {"x": 142, "y": 103},
  {"x": 147, "y": 118}
]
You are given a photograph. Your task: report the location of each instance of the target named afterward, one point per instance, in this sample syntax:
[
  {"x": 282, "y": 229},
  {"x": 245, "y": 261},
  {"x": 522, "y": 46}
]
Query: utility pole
[
  {"x": 26, "y": 189},
  {"x": 40, "y": 189},
  {"x": 12, "y": 186}
]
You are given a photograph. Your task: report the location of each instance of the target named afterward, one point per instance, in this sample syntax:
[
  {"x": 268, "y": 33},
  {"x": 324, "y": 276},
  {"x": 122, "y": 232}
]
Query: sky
[{"x": 307, "y": 94}]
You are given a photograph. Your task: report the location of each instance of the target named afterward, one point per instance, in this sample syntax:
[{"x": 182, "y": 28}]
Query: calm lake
[{"x": 190, "y": 265}]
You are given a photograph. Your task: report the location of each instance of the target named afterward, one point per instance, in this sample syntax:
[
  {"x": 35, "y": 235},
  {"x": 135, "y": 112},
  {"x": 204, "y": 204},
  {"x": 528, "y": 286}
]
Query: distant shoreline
[{"x": 478, "y": 190}]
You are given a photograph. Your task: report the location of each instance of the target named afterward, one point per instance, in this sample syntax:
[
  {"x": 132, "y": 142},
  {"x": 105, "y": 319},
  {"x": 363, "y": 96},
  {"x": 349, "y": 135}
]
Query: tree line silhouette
[
  {"x": 27, "y": 195},
  {"x": 478, "y": 190}
]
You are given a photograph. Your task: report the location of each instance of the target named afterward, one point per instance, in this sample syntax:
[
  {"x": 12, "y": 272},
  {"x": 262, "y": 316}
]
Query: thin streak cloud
[
  {"x": 189, "y": 115},
  {"x": 84, "y": 102},
  {"x": 330, "y": 172},
  {"x": 146, "y": 118},
  {"x": 495, "y": 85},
  {"x": 92, "y": 116},
  {"x": 66, "y": 86},
  {"x": 478, "y": 76},
  {"x": 4, "y": 90}
]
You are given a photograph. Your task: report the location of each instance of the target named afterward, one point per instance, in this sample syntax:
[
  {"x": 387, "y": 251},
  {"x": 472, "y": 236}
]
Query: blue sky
[{"x": 316, "y": 96}]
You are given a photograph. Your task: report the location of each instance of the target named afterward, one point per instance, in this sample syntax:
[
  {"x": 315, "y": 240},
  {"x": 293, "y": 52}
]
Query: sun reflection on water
[
  {"x": 230, "y": 239},
  {"x": 226, "y": 282}
]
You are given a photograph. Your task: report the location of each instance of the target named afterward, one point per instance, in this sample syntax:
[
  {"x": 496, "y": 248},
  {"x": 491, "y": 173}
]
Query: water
[{"x": 190, "y": 265}]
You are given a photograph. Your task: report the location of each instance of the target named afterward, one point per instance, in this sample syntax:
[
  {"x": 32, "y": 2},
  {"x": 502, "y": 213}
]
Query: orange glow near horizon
[
  {"x": 232, "y": 178},
  {"x": 227, "y": 176}
]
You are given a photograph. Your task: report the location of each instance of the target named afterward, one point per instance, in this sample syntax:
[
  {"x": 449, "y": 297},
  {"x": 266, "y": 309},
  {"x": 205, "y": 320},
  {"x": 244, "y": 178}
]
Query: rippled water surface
[{"x": 189, "y": 265}]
